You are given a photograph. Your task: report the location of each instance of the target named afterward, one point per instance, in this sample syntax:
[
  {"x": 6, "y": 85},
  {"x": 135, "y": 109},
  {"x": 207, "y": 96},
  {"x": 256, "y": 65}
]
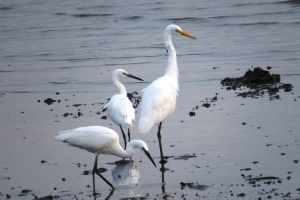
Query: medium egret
[
  {"x": 120, "y": 109},
  {"x": 101, "y": 140},
  {"x": 159, "y": 98}
]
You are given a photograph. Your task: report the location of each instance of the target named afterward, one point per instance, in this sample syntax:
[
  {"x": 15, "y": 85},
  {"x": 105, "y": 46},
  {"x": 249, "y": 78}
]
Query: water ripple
[{"x": 91, "y": 15}]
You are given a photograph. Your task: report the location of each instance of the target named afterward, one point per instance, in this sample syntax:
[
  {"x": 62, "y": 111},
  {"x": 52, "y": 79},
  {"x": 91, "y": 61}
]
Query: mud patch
[
  {"x": 193, "y": 186},
  {"x": 134, "y": 98},
  {"x": 100, "y": 170},
  {"x": 185, "y": 157},
  {"x": 259, "y": 82}
]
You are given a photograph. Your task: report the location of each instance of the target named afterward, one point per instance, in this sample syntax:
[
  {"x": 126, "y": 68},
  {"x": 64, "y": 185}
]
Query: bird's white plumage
[
  {"x": 158, "y": 102},
  {"x": 121, "y": 111},
  {"x": 119, "y": 108},
  {"x": 95, "y": 139},
  {"x": 101, "y": 140},
  {"x": 159, "y": 98}
]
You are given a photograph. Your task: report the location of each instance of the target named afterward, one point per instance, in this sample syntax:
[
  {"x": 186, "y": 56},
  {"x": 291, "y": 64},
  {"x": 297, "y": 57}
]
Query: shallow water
[{"x": 66, "y": 50}]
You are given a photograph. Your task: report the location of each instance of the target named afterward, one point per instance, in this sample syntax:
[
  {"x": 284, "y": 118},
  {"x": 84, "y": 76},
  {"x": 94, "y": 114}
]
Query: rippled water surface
[{"x": 66, "y": 50}]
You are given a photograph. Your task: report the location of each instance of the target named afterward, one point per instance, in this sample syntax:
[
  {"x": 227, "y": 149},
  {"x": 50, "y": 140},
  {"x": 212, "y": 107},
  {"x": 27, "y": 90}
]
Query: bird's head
[
  {"x": 173, "y": 29},
  {"x": 122, "y": 73},
  {"x": 142, "y": 146}
]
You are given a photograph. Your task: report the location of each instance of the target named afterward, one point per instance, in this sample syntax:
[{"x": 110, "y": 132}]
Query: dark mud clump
[
  {"x": 134, "y": 98},
  {"x": 192, "y": 113},
  {"x": 252, "y": 78},
  {"x": 49, "y": 101},
  {"x": 257, "y": 181},
  {"x": 24, "y": 192},
  {"x": 259, "y": 81},
  {"x": 100, "y": 170},
  {"x": 193, "y": 186}
]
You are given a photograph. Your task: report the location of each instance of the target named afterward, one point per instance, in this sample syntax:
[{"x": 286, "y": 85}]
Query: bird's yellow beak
[{"x": 185, "y": 34}]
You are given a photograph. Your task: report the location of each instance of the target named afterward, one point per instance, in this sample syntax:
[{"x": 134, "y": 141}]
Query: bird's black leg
[
  {"x": 124, "y": 137},
  {"x": 128, "y": 135},
  {"x": 162, "y": 160},
  {"x": 95, "y": 171}
]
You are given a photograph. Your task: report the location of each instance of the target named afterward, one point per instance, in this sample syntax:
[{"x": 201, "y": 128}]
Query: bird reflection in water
[
  {"x": 99, "y": 195},
  {"x": 126, "y": 174},
  {"x": 163, "y": 183}
]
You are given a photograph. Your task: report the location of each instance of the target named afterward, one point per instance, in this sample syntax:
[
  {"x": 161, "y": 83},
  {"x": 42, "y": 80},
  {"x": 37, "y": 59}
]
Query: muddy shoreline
[{"x": 247, "y": 179}]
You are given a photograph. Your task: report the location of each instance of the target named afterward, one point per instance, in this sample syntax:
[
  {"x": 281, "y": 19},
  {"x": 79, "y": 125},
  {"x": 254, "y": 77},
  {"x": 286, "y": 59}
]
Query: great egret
[
  {"x": 101, "y": 140},
  {"x": 120, "y": 109},
  {"x": 159, "y": 98}
]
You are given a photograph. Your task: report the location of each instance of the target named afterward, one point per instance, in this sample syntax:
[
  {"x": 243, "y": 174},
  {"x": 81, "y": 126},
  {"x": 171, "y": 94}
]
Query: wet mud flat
[{"x": 227, "y": 170}]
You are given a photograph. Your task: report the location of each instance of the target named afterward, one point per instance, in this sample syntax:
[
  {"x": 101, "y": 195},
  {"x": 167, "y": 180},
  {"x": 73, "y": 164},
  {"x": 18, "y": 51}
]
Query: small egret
[
  {"x": 159, "y": 98},
  {"x": 101, "y": 140},
  {"x": 120, "y": 109}
]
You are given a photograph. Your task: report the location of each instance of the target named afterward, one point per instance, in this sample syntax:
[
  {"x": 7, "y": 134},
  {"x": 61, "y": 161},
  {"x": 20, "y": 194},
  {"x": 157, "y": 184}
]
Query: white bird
[
  {"x": 120, "y": 109},
  {"x": 101, "y": 140},
  {"x": 159, "y": 98}
]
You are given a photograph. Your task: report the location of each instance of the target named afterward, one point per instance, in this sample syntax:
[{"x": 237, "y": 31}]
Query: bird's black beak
[
  {"x": 131, "y": 76},
  {"x": 149, "y": 156}
]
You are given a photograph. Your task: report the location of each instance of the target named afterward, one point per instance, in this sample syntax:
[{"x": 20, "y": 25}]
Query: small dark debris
[
  {"x": 193, "y": 186},
  {"x": 66, "y": 114},
  {"x": 185, "y": 157},
  {"x": 104, "y": 117},
  {"x": 262, "y": 178},
  {"x": 77, "y": 105},
  {"x": 26, "y": 191},
  {"x": 86, "y": 172},
  {"x": 206, "y": 105},
  {"x": 49, "y": 101},
  {"x": 246, "y": 169},
  {"x": 101, "y": 170},
  {"x": 241, "y": 195},
  {"x": 296, "y": 161},
  {"x": 192, "y": 113},
  {"x": 43, "y": 161},
  {"x": 49, "y": 197}
]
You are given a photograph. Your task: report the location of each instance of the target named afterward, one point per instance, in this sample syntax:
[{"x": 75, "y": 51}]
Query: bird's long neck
[
  {"x": 128, "y": 153},
  {"x": 119, "y": 85},
  {"x": 172, "y": 69}
]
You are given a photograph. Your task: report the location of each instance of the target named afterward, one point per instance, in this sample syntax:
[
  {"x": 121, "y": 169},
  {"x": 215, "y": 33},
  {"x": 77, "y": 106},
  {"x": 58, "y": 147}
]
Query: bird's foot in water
[{"x": 96, "y": 194}]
